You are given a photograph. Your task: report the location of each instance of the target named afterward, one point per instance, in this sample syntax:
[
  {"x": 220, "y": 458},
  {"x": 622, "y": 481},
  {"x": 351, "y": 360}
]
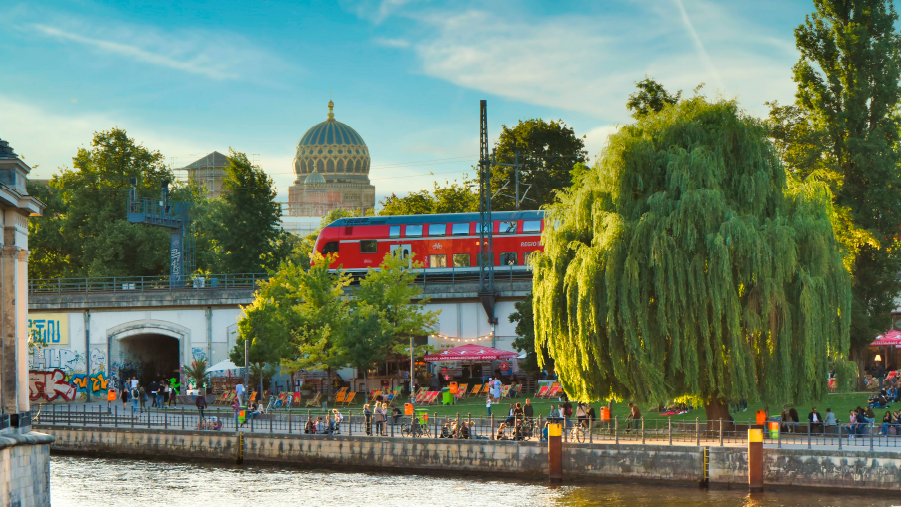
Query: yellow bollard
[
  {"x": 555, "y": 452},
  {"x": 755, "y": 460}
]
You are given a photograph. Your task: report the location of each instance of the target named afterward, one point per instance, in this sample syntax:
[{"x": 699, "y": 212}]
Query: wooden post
[
  {"x": 755, "y": 460},
  {"x": 555, "y": 452}
]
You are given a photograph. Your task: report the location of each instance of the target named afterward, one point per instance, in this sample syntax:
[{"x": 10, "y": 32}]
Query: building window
[
  {"x": 437, "y": 229},
  {"x": 369, "y": 246},
  {"x": 413, "y": 231},
  {"x": 460, "y": 229},
  {"x": 506, "y": 228},
  {"x": 461, "y": 260},
  {"x": 330, "y": 247},
  {"x": 438, "y": 261},
  {"x": 394, "y": 231},
  {"x": 508, "y": 259},
  {"x": 531, "y": 226}
]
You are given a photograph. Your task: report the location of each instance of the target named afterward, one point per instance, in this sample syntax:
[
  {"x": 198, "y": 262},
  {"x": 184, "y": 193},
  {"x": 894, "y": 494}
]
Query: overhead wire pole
[{"x": 486, "y": 253}]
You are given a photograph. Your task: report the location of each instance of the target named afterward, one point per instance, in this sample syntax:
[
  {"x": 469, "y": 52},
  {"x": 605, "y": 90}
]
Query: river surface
[{"x": 89, "y": 482}]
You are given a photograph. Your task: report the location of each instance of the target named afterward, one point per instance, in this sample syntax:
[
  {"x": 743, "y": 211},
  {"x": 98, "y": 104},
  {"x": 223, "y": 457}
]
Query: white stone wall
[{"x": 25, "y": 476}]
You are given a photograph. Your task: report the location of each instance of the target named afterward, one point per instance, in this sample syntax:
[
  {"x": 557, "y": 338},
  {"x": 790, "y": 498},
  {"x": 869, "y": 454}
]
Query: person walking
[
  {"x": 201, "y": 404},
  {"x": 236, "y": 408},
  {"x": 134, "y": 396},
  {"x": 164, "y": 393},
  {"x": 239, "y": 390},
  {"x": 142, "y": 395},
  {"x": 124, "y": 397},
  {"x": 634, "y": 415},
  {"x": 154, "y": 387}
]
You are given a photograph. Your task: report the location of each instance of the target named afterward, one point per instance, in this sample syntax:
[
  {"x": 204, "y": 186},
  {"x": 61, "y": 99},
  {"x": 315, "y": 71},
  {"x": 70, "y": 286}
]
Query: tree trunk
[{"x": 716, "y": 410}]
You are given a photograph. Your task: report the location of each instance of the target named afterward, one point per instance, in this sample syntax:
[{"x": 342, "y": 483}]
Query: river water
[{"x": 88, "y": 482}]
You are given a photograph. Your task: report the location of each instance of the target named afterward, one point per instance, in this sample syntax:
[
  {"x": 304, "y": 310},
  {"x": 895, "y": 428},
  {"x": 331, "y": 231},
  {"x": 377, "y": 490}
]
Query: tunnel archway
[
  {"x": 149, "y": 357},
  {"x": 146, "y": 349}
]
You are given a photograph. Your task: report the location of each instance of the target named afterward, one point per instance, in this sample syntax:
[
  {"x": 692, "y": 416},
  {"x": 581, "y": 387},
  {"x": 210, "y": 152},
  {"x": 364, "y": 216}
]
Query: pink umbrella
[
  {"x": 470, "y": 352},
  {"x": 888, "y": 339}
]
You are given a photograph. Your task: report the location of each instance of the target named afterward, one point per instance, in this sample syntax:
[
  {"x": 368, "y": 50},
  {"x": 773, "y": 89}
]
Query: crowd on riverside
[{"x": 162, "y": 394}]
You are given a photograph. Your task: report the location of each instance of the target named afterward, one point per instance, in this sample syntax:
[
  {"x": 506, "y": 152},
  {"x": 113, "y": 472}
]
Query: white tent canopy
[{"x": 225, "y": 365}]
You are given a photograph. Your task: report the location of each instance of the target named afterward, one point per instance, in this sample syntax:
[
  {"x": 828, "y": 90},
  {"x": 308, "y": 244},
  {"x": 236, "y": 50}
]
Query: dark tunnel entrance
[{"x": 149, "y": 357}]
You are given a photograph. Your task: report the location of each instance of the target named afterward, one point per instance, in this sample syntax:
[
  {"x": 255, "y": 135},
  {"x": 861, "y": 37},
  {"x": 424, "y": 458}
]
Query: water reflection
[{"x": 80, "y": 481}]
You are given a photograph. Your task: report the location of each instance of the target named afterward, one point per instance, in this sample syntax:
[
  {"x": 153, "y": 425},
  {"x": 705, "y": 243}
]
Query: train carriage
[{"x": 441, "y": 243}]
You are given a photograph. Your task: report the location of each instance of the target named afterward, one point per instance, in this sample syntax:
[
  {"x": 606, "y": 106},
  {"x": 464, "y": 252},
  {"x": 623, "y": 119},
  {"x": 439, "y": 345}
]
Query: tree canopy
[
  {"x": 843, "y": 130},
  {"x": 651, "y": 97},
  {"x": 451, "y": 198},
  {"x": 687, "y": 262},
  {"x": 548, "y": 150}
]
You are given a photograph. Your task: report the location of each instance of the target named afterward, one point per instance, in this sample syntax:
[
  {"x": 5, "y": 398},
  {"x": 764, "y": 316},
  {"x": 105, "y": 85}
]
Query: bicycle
[
  {"x": 579, "y": 433},
  {"x": 415, "y": 429}
]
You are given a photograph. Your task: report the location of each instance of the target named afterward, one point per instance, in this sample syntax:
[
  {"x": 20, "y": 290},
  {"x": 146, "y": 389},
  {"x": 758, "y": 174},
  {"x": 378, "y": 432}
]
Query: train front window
[
  {"x": 459, "y": 229},
  {"x": 413, "y": 231},
  {"x": 330, "y": 247},
  {"x": 508, "y": 259},
  {"x": 394, "y": 231},
  {"x": 531, "y": 226},
  {"x": 438, "y": 261},
  {"x": 437, "y": 229},
  {"x": 369, "y": 246},
  {"x": 461, "y": 260},
  {"x": 506, "y": 228}
]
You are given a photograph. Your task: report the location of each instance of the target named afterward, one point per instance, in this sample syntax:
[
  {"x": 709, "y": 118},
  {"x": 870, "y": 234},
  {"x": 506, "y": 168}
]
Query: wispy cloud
[
  {"x": 378, "y": 11},
  {"x": 590, "y": 63},
  {"x": 197, "y": 65},
  {"x": 392, "y": 43}
]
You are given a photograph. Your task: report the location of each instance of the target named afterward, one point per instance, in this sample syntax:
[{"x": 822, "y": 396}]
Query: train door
[{"x": 405, "y": 250}]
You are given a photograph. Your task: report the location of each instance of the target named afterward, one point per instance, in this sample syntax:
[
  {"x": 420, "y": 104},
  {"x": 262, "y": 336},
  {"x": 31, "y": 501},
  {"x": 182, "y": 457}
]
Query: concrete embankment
[{"x": 726, "y": 466}]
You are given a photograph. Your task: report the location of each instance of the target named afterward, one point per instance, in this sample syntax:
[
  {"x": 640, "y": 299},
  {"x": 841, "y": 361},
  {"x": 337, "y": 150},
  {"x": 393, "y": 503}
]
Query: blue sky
[{"x": 192, "y": 77}]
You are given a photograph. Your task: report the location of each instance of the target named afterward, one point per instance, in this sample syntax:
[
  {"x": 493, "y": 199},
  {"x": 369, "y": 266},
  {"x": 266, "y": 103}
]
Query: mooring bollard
[
  {"x": 555, "y": 452},
  {"x": 755, "y": 460}
]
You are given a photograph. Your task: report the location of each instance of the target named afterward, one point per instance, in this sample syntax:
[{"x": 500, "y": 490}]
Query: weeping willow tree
[{"x": 687, "y": 262}]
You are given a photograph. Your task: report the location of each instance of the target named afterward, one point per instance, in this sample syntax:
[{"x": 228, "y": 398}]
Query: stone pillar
[{"x": 9, "y": 370}]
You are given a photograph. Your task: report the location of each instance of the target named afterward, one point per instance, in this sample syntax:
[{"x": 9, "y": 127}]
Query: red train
[{"x": 441, "y": 242}]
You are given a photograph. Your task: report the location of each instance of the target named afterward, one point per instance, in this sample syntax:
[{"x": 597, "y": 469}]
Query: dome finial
[{"x": 331, "y": 106}]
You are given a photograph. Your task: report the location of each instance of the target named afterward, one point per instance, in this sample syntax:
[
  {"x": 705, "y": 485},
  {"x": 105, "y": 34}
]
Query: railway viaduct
[{"x": 101, "y": 330}]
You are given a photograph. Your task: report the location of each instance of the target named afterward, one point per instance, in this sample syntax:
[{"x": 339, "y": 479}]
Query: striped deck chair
[
  {"x": 349, "y": 398},
  {"x": 555, "y": 390},
  {"x": 420, "y": 396},
  {"x": 221, "y": 399},
  {"x": 432, "y": 398},
  {"x": 375, "y": 394},
  {"x": 315, "y": 401},
  {"x": 289, "y": 398},
  {"x": 505, "y": 391},
  {"x": 393, "y": 396},
  {"x": 542, "y": 391},
  {"x": 461, "y": 392},
  {"x": 476, "y": 390},
  {"x": 516, "y": 391},
  {"x": 340, "y": 392}
]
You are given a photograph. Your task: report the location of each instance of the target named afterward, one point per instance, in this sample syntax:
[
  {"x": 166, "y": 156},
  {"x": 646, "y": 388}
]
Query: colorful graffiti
[
  {"x": 50, "y": 385},
  {"x": 97, "y": 381},
  {"x": 62, "y": 359},
  {"x": 198, "y": 354}
]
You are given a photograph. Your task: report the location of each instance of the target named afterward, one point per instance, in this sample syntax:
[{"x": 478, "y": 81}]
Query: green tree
[
  {"x": 651, "y": 97},
  {"x": 452, "y": 198},
  {"x": 548, "y": 150},
  {"x": 250, "y": 224},
  {"x": 525, "y": 340},
  {"x": 844, "y": 130},
  {"x": 688, "y": 263},
  {"x": 84, "y": 231}
]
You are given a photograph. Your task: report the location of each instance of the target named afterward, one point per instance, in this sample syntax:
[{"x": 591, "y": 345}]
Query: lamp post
[{"x": 246, "y": 370}]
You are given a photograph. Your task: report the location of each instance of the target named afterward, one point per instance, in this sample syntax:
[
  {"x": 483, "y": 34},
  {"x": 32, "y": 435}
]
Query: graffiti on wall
[
  {"x": 50, "y": 385},
  {"x": 198, "y": 354},
  {"x": 52, "y": 359},
  {"x": 98, "y": 360},
  {"x": 96, "y": 382}
]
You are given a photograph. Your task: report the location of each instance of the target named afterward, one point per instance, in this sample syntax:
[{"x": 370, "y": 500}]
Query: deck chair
[
  {"x": 555, "y": 390},
  {"x": 315, "y": 401},
  {"x": 432, "y": 397},
  {"x": 517, "y": 390},
  {"x": 375, "y": 394},
  {"x": 349, "y": 398},
  {"x": 542, "y": 392},
  {"x": 253, "y": 397},
  {"x": 340, "y": 392},
  {"x": 505, "y": 391},
  {"x": 339, "y": 396},
  {"x": 221, "y": 399},
  {"x": 476, "y": 389},
  {"x": 420, "y": 396},
  {"x": 461, "y": 392}
]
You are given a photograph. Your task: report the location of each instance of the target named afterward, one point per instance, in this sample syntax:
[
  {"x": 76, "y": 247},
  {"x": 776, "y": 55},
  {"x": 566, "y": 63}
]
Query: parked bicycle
[{"x": 415, "y": 429}]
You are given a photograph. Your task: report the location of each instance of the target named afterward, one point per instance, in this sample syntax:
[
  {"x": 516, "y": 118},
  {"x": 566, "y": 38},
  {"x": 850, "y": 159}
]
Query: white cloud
[
  {"x": 378, "y": 11},
  {"x": 216, "y": 55},
  {"x": 596, "y": 141},
  {"x": 392, "y": 43},
  {"x": 590, "y": 64}
]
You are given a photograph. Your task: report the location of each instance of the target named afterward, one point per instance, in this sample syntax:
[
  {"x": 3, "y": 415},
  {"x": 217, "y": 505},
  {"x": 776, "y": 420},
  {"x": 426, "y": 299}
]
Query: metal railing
[
  {"x": 131, "y": 284},
  {"x": 463, "y": 426}
]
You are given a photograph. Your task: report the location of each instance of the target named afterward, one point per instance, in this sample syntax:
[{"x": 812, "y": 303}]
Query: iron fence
[
  {"x": 425, "y": 424},
  {"x": 132, "y": 284}
]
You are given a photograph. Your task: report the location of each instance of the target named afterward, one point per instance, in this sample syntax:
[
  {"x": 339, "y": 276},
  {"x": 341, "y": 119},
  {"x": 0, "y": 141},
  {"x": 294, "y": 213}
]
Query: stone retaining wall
[{"x": 24, "y": 469}]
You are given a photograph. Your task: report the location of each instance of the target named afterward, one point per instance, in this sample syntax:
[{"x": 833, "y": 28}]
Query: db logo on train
[{"x": 505, "y": 366}]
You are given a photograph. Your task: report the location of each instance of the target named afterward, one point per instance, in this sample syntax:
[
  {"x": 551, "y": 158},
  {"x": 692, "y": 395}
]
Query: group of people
[
  {"x": 859, "y": 420},
  {"x": 331, "y": 425},
  {"x": 162, "y": 394},
  {"x": 378, "y": 415}
]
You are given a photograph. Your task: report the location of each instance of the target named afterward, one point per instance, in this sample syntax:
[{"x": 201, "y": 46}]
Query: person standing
[
  {"x": 154, "y": 387},
  {"x": 143, "y": 397},
  {"x": 236, "y": 408},
  {"x": 239, "y": 390},
  {"x": 634, "y": 415},
  {"x": 164, "y": 393},
  {"x": 134, "y": 395},
  {"x": 488, "y": 404},
  {"x": 367, "y": 419},
  {"x": 528, "y": 410},
  {"x": 567, "y": 411},
  {"x": 124, "y": 396},
  {"x": 201, "y": 404}
]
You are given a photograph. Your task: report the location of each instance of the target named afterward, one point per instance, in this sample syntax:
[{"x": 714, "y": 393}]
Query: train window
[
  {"x": 369, "y": 246},
  {"x": 527, "y": 258},
  {"x": 508, "y": 259},
  {"x": 413, "y": 231},
  {"x": 438, "y": 261},
  {"x": 437, "y": 229},
  {"x": 478, "y": 227},
  {"x": 459, "y": 229},
  {"x": 483, "y": 259},
  {"x": 394, "y": 231},
  {"x": 531, "y": 226},
  {"x": 506, "y": 228},
  {"x": 461, "y": 260},
  {"x": 330, "y": 247}
]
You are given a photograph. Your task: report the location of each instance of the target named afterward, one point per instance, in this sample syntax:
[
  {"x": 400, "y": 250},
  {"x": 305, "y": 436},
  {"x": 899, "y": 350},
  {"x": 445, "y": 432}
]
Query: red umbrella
[
  {"x": 470, "y": 352},
  {"x": 888, "y": 339}
]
